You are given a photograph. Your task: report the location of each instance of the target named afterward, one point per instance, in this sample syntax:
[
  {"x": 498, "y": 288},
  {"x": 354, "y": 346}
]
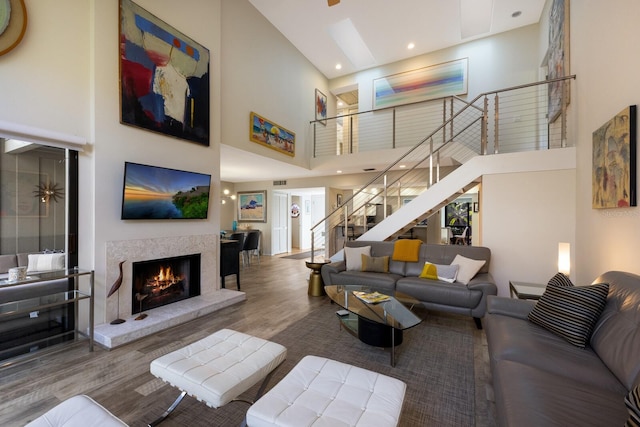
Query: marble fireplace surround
[{"x": 211, "y": 297}]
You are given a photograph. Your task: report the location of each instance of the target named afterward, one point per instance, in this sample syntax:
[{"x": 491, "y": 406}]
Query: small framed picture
[
  {"x": 339, "y": 199},
  {"x": 321, "y": 107},
  {"x": 476, "y": 207},
  {"x": 252, "y": 206}
]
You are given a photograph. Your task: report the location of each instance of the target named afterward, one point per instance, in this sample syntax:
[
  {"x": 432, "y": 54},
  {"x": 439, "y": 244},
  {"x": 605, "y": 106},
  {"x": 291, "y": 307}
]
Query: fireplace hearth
[{"x": 164, "y": 281}]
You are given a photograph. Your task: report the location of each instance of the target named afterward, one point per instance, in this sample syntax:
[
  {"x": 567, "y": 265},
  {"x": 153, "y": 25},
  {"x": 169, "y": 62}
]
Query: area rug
[
  {"x": 435, "y": 360},
  {"x": 301, "y": 255}
]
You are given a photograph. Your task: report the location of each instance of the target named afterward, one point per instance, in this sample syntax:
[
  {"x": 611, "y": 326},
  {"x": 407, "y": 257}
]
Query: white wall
[
  {"x": 604, "y": 58},
  {"x": 497, "y": 62},
  {"x": 524, "y": 217},
  {"x": 64, "y": 77},
  {"x": 265, "y": 74}
]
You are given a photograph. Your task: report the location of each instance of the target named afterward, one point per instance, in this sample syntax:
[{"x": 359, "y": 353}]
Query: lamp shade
[{"x": 564, "y": 258}]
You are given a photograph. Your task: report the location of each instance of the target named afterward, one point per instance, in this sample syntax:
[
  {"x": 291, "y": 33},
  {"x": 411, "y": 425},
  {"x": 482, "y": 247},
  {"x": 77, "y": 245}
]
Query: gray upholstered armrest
[
  {"x": 509, "y": 306},
  {"x": 329, "y": 269}
]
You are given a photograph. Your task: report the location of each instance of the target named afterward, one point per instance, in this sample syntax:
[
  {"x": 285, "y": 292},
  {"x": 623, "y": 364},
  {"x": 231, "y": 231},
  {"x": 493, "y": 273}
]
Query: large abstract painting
[
  {"x": 614, "y": 162},
  {"x": 164, "y": 77},
  {"x": 558, "y": 57},
  {"x": 436, "y": 81}
]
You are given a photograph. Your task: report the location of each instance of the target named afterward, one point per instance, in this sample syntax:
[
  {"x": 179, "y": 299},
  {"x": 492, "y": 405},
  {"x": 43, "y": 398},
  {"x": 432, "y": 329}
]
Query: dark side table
[{"x": 525, "y": 290}]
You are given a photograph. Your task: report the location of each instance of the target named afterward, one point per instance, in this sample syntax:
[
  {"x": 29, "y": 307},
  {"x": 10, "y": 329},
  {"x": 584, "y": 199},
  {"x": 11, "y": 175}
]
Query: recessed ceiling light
[
  {"x": 411, "y": 46},
  {"x": 402, "y": 166},
  {"x": 338, "y": 66},
  {"x": 338, "y": 171},
  {"x": 340, "y": 104},
  {"x": 516, "y": 14}
]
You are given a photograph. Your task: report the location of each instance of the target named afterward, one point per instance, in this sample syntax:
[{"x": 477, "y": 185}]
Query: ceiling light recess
[{"x": 348, "y": 39}]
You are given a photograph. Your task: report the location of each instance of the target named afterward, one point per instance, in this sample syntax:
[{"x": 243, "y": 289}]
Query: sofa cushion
[
  {"x": 512, "y": 337},
  {"x": 446, "y": 273},
  {"x": 439, "y": 293},
  {"x": 378, "y": 264},
  {"x": 353, "y": 257},
  {"x": 571, "y": 312},
  {"x": 7, "y": 262},
  {"x": 467, "y": 268},
  {"x": 45, "y": 262},
  {"x": 632, "y": 401},
  {"x": 529, "y": 397},
  {"x": 616, "y": 337},
  {"x": 407, "y": 250},
  {"x": 382, "y": 282}
]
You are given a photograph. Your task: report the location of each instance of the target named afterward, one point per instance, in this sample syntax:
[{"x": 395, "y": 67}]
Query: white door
[{"x": 280, "y": 222}]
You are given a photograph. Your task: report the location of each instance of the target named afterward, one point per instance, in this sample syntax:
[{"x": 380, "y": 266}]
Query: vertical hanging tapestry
[
  {"x": 614, "y": 162},
  {"x": 164, "y": 77}
]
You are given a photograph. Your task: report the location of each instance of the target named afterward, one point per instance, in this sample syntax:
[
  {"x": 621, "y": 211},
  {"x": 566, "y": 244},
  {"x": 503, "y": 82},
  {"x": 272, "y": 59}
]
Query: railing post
[
  {"x": 451, "y": 115},
  {"x": 563, "y": 123},
  {"x": 312, "y": 244},
  {"x": 485, "y": 124},
  {"x": 351, "y": 135},
  {"x": 496, "y": 130},
  {"x": 393, "y": 129},
  {"x": 314, "y": 155},
  {"x": 430, "y": 162},
  {"x": 384, "y": 197},
  {"x": 346, "y": 226},
  {"x": 444, "y": 120}
]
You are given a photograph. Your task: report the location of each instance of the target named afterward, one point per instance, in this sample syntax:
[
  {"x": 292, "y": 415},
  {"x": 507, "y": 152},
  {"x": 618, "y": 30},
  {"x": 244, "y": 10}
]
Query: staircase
[{"x": 460, "y": 145}]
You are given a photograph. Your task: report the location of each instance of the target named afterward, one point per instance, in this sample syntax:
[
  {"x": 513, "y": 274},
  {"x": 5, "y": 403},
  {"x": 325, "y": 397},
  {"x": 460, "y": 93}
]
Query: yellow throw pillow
[
  {"x": 407, "y": 250},
  {"x": 378, "y": 264},
  {"x": 429, "y": 271}
]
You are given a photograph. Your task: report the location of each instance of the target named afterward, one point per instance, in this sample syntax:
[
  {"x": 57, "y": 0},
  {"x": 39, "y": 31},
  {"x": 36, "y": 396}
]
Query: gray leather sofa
[
  {"x": 539, "y": 379},
  {"x": 467, "y": 299}
]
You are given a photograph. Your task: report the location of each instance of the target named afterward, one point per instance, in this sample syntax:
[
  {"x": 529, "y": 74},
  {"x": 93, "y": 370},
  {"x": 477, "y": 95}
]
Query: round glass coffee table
[{"x": 379, "y": 323}]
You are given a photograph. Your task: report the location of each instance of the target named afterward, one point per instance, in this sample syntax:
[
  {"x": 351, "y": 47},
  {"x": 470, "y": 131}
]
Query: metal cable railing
[{"x": 508, "y": 120}]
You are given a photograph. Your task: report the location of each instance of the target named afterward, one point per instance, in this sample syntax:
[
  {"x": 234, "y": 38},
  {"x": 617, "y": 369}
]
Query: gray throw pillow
[
  {"x": 632, "y": 400},
  {"x": 570, "y": 312}
]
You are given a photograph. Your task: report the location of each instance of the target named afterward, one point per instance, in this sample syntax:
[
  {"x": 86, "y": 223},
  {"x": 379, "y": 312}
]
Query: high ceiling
[{"x": 385, "y": 28}]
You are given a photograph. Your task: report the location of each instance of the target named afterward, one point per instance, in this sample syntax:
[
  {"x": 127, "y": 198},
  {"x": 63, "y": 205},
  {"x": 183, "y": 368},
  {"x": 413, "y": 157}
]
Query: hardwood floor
[{"x": 276, "y": 297}]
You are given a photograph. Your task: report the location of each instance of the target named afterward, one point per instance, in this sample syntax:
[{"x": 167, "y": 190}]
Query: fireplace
[{"x": 164, "y": 281}]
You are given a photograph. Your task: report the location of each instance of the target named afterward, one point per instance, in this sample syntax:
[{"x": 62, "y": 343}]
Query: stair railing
[{"x": 465, "y": 130}]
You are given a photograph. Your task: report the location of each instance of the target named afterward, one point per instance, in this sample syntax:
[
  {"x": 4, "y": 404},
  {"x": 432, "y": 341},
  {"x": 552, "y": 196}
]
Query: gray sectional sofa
[
  {"x": 467, "y": 299},
  {"x": 540, "y": 379}
]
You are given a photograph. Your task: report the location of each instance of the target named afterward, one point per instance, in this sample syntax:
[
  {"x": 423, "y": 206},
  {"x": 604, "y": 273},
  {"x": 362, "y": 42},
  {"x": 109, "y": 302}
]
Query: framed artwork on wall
[
  {"x": 164, "y": 77},
  {"x": 558, "y": 57},
  {"x": 265, "y": 132},
  {"x": 614, "y": 162},
  {"x": 436, "y": 81},
  {"x": 252, "y": 206},
  {"x": 321, "y": 107}
]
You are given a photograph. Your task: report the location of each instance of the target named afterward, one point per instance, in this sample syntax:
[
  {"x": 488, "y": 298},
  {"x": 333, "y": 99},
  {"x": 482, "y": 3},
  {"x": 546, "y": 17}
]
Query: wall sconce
[
  {"x": 47, "y": 191},
  {"x": 564, "y": 258},
  {"x": 226, "y": 196}
]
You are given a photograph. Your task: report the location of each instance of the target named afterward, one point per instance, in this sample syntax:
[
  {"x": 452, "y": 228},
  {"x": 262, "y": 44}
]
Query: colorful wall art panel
[
  {"x": 269, "y": 134},
  {"x": 436, "y": 81},
  {"x": 614, "y": 162},
  {"x": 164, "y": 77}
]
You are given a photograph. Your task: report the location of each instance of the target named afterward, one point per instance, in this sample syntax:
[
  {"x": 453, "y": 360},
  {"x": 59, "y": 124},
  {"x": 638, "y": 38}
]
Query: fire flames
[{"x": 164, "y": 280}]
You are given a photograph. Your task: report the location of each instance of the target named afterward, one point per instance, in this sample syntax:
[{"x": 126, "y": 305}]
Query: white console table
[{"x": 43, "y": 301}]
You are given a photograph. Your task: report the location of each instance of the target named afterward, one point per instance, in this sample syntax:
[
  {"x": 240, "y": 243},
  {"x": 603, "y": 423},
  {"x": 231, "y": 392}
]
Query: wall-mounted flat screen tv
[{"x": 152, "y": 192}]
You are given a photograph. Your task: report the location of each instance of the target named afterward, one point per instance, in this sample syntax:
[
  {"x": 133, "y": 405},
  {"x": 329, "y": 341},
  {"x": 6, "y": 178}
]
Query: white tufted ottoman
[
  {"x": 218, "y": 368},
  {"x": 324, "y": 392},
  {"x": 77, "y": 411}
]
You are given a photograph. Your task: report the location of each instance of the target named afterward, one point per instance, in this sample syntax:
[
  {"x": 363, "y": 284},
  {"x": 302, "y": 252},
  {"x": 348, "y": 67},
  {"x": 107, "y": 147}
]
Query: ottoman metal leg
[{"x": 169, "y": 410}]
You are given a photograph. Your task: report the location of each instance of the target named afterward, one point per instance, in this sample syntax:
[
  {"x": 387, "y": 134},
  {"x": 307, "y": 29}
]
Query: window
[{"x": 38, "y": 199}]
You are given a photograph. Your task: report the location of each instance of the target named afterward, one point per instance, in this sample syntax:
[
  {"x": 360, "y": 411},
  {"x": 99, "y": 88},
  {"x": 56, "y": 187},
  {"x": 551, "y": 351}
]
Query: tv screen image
[{"x": 153, "y": 192}]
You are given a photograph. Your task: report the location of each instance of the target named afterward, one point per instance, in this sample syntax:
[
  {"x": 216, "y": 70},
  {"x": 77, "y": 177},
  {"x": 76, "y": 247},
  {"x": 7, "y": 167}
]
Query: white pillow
[
  {"x": 353, "y": 257},
  {"x": 467, "y": 268},
  {"x": 45, "y": 262}
]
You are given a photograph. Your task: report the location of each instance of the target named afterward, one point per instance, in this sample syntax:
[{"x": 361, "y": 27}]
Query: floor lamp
[{"x": 115, "y": 288}]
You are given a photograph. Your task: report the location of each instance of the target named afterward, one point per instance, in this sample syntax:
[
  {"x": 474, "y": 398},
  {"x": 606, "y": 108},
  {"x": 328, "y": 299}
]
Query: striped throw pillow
[
  {"x": 560, "y": 279},
  {"x": 632, "y": 400},
  {"x": 570, "y": 312}
]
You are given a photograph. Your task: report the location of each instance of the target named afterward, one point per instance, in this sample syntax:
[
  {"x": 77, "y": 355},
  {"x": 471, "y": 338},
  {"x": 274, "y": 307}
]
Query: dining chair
[{"x": 251, "y": 246}]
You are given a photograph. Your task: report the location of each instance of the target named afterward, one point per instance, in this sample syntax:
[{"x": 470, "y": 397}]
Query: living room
[{"x": 63, "y": 77}]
